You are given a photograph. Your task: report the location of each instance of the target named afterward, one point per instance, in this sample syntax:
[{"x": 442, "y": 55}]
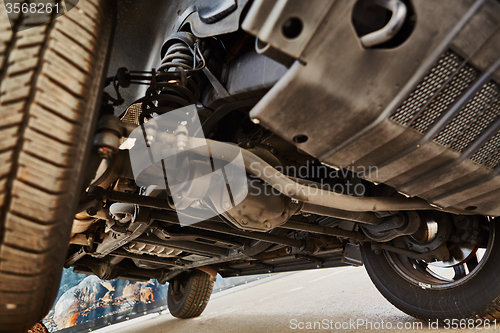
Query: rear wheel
[
  {"x": 50, "y": 81},
  {"x": 466, "y": 286},
  {"x": 188, "y": 294}
]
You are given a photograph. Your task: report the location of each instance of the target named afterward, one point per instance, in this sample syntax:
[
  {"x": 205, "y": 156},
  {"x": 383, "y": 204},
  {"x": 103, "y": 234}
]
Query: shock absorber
[{"x": 180, "y": 54}]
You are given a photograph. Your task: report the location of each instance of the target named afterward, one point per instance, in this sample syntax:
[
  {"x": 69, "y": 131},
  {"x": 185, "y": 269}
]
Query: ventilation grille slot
[
  {"x": 465, "y": 117},
  {"x": 445, "y": 98},
  {"x": 479, "y": 125},
  {"x": 439, "y": 74},
  {"x": 487, "y": 151},
  {"x": 437, "y": 92}
]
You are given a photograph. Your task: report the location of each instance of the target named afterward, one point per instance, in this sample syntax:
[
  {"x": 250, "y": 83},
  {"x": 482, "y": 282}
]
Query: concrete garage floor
[{"x": 333, "y": 296}]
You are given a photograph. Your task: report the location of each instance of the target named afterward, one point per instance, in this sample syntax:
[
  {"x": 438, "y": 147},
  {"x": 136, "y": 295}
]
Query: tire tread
[
  {"x": 194, "y": 303},
  {"x": 49, "y": 81}
]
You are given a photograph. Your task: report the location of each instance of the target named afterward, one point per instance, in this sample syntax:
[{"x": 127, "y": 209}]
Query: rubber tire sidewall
[{"x": 177, "y": 307}]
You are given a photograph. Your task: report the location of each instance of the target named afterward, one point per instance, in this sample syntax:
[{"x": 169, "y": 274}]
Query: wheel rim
[
  {"x": 179, "y": 289},
  {"x": 467, "y": 260}
]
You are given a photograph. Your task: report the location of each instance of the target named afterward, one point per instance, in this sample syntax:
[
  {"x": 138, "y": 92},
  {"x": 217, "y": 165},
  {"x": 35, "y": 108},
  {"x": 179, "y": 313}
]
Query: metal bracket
[
  {"x": 269, "y": 268},
  {"x": 140, "y": 223},
  {"x": 316, "y": 260},
  {"x": 352, "y": 255},
  {"x": 267, "y": 19}
]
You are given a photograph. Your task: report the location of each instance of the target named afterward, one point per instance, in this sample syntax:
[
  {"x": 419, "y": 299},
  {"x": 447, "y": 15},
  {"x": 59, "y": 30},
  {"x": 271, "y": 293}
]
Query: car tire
[
  {"x": 474, "y": 299},
  {"x": 51, "y": 79},
  {"x": 188, "y": 294}
]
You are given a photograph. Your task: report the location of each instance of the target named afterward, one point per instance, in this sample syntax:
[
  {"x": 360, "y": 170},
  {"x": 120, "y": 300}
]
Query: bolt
[
  {"x": 244, "y": 221},
  {"x": 181, "y": 145},
  {"x": 427, "y": 249},
  {"x": 226, "y": 206},
  {"x": 104, "y": 152},
  {"x": 268, "y": 225},
  {"x": 377, "y": 251},
  {"x": 410, "y": 245},
  {"x": 90, "y": 240}
]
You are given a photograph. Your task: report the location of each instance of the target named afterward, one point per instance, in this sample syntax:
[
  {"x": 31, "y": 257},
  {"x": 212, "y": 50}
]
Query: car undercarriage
[{"x": 249, "y": 137}]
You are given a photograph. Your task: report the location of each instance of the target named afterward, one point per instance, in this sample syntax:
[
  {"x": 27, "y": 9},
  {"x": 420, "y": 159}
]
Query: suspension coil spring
[{"x": 181, "y": 55}]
